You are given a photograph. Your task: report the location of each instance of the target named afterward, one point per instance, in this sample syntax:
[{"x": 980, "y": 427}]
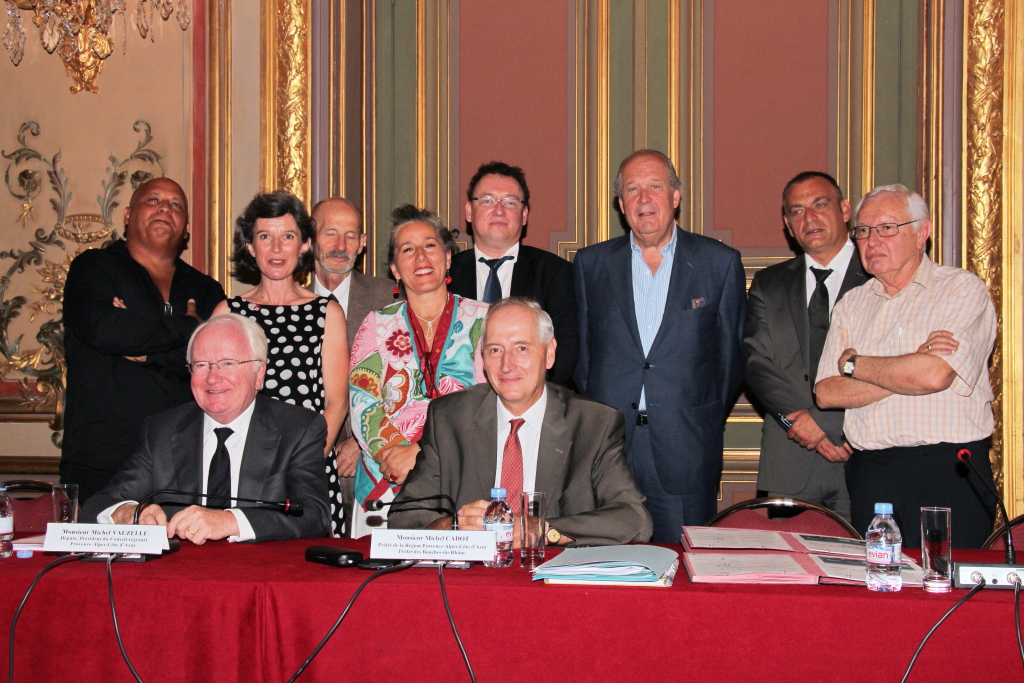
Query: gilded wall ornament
[
  {"x": 48, "y": 256},
  {"x": 984, "y": 188}
]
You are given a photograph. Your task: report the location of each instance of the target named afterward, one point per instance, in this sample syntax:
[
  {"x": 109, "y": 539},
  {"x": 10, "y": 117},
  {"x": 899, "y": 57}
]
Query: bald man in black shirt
[{"x": 129, "y": 310}]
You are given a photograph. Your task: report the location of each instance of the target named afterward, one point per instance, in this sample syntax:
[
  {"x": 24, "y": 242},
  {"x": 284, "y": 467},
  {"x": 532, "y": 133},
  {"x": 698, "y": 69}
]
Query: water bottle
[
  {"x": 6, "y": 524},
  {"x": 498, "y": 518},
  {"x": 884, "y": 551}
]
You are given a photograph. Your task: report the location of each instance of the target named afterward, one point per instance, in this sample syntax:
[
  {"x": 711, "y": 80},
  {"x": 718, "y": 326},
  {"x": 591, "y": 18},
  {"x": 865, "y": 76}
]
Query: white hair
[
  {"x": 247, "y": 326},
  {"x": 545, "y": 328},
  {"x": 917, "y": 208}
]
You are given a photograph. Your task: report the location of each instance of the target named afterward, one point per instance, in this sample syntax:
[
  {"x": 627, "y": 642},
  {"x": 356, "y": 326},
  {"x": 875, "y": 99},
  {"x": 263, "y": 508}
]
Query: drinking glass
[
  {"x": 65, "y": 503},
  {"x": 935, "y": 549},
  {"x": 531, "y": 528}
]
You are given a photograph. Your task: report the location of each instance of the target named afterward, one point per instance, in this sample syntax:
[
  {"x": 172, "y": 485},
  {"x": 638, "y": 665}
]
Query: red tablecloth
[{"x": 228, "y": 612}]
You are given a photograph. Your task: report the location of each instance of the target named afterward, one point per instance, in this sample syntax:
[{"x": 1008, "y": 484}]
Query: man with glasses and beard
[{"x": 339, "y": 242}]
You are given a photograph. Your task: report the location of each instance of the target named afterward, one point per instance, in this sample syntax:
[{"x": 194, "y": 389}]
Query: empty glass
[{"x": 935, "y": 549}]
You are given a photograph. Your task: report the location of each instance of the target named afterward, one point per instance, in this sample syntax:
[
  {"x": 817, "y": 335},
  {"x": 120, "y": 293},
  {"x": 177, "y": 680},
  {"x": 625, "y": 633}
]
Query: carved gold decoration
[
  {"x": 43, "y": 367},
  {"x": 220, "y": 220},
  {"x": 80, "y": 31},
  {"x": 285, "y": 91},
  {"x": 983, "y": 169}
]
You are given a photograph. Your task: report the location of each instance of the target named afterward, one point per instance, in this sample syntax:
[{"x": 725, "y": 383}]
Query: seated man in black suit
[
  {"x": 524, "y": 434},
  {"x": 498, "y": 265},
  {"x": 230, "y": 442}
]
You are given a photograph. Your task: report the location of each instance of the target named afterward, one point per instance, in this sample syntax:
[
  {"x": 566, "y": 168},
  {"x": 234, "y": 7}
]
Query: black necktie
[
  {"x": 818, "y": 319},
  {"x": 218, "y": 482},
  {"x": 492, "y": 288}
]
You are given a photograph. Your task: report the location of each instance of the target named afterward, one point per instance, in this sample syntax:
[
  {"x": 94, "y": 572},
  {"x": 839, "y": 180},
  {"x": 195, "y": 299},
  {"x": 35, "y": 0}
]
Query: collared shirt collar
[
  {"x": 534, "y": 415},
  {"x": 840, "y": 261},
  {"x": 922, "y": 276},
  {"x": 513, "y": 251},
  {"x": 240, "y": 425},
  {"x": 667, "y": 250}
]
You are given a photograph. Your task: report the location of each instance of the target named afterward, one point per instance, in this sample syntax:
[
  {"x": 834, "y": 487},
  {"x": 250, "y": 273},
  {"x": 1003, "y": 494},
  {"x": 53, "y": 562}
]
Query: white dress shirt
[
  {"x": 341, "y": 293},
  {"x": 529, "y": 438},
  {"x": 839, "y": 264},
  {"x": 236, "y": 447},
  {"x": 504, "y": 271}
]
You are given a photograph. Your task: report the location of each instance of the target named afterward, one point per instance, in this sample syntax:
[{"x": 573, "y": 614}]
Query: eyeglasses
[
  {"x": 226, "y": 365},
  {"x": 862, "y": 232},
  {"x": 489, "y": 202}
]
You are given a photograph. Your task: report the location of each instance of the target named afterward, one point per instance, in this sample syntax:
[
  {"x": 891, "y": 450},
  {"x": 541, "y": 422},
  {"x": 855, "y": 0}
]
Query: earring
[
  {"x": 447, "y": 277},
  {"x": 395, "y": 290}
]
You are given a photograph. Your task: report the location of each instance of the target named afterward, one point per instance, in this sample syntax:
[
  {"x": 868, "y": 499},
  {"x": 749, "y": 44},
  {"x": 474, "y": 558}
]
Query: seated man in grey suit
[
  {"x": 524, "y": 434},
  {"x": 229, "y": 443}
]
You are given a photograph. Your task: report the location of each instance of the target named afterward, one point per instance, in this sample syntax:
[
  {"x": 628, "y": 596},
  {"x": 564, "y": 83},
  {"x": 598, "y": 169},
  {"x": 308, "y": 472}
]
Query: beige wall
[{"x": 152, "y": 82}]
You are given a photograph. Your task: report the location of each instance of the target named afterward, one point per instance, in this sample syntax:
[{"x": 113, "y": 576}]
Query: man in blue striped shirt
[{"x": 661, "y": 327}]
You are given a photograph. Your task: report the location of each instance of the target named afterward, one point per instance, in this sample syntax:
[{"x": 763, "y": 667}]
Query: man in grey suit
[
  {"x": 803, "y": 450},
  {"x": 340, "y": 240},
  {"x": 521, "y": 433},
  {"x": 661, "y": 333},
  {"x": 229, "y": 443}
]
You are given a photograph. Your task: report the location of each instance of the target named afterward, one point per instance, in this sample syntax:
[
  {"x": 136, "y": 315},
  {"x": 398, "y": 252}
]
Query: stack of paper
[
  {"x": 722, "y": 555},
  {"x": 615, "y": 565}
]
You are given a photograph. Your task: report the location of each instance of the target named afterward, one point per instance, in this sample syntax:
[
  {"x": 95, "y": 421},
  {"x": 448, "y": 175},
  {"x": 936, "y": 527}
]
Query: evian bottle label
[
  {"x": 883, "y": 553},
  {"x": 6, "y": 525},
  {"x": 502, "y": 532}
]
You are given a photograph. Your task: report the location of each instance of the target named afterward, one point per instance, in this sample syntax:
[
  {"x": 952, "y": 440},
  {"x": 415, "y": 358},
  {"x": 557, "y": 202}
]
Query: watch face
[{"x": 553, "y": 535}]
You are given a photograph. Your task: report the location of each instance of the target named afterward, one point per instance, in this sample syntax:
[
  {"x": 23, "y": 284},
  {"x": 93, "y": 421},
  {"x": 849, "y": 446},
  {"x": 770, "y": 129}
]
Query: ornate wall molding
[
  {"x": 992, "y": 237},
  {"x": 40, "y": 370},
  {"x": 285, "y": 96},
  {"x": 220, "y": 222}
]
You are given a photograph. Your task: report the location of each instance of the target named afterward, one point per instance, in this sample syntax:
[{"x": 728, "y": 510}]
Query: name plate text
[
  {"x": 145, "y": 539},
  {"x": 423, "y": 544}
]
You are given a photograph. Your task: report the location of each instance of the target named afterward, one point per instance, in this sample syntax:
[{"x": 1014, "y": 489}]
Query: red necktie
[{"x": 512, "y": 466}]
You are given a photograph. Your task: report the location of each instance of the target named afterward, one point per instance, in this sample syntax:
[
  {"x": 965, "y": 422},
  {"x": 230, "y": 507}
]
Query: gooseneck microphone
[
  {"x": 377, "y": 504},
  {"x": 964, "y": 455},
  {"x": 288, "y": 506}
]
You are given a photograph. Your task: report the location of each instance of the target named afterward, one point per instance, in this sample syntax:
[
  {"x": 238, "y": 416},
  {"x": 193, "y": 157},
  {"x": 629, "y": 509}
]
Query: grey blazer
[
  {"x": 283, "y": 458},
  {"x": 365, "y": 295},
  {"x": 580, "y": 466},
  {"x": 777, "y": 354}
]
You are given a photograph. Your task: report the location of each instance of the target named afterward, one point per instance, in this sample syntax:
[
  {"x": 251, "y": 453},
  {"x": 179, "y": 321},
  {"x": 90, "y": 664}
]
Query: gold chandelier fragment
[{"x": 81, "y": 31}]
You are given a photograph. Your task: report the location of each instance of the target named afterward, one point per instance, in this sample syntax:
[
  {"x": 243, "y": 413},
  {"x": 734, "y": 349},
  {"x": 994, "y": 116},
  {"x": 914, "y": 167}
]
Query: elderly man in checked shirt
[{"x": 907, "y": 357}]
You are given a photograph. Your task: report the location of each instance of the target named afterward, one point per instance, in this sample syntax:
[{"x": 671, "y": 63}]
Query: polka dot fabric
[{"x": 295, "y": 336}]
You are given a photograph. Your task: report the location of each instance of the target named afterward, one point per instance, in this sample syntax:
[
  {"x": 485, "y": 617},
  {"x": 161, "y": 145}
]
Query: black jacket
[
  {"x": 108, "y": 396},
  {"x": 545, "y": 278}
]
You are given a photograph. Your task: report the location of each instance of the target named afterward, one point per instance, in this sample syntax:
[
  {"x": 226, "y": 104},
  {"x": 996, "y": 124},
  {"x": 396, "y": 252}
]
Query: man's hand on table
[
  {"x": 199, "y": 524},
  {"x": 152, "y": 514}
]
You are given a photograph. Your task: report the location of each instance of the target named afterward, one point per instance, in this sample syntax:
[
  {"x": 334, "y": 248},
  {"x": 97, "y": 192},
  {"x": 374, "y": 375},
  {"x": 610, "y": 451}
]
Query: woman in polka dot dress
[{"x": 308, "y": 360}]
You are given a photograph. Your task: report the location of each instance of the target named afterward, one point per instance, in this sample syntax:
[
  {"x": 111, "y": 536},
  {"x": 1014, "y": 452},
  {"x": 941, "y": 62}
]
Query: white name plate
[
  {"x": 106, "y": 538},
  {"x": 424, "y": 544}
]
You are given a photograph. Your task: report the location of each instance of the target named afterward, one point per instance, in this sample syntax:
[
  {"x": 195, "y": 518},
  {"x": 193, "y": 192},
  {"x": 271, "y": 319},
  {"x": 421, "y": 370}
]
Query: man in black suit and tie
[
  {"x": 340, "y": 239},
  {"x": 521, "y": 433},
  {"x": 788, "y": 313},
  {"x": 498, "y": 265},
  {"x": 230, "y": 442},
  {"x": 661, "y": 332}
]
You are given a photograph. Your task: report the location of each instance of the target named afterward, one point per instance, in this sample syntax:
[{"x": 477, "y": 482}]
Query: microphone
[
  {"x": 377, "y": 504},
  {"x": 964, "y": 455},
  {"x": 991, "y": 575},
  {"x": 290, "y": 507}
]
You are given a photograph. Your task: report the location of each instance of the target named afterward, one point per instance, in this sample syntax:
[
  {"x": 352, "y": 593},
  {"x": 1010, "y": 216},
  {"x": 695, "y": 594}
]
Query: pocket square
[{"x": 699, "y": 302}]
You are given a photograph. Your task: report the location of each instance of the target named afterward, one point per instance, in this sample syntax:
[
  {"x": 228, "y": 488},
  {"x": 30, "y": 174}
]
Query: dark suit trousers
[
  {"x": 669, "y": 512},
  {"x": 923, "y": 476}
]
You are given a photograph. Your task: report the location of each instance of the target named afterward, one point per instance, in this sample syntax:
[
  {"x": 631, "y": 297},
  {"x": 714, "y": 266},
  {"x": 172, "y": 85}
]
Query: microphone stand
[{"x": 1004, "y": 575}]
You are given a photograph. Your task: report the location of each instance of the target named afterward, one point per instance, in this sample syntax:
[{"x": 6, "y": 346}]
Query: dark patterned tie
[
  {"x": 492, "y": 288},
  {"x": 218, "y": 481},
  {"x": 817, "y": 319},
  {"x": 512, "y": 466}
]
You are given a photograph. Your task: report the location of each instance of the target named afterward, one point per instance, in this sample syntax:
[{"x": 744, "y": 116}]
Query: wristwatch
[
  {"x": 850, "y": 365},
  {"x": 553, "y": 536}
]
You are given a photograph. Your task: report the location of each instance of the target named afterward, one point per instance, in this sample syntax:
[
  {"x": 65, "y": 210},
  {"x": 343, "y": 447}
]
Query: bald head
[
  {"x": 339, "y": 239},
  {"x": 156, "y": 219}
]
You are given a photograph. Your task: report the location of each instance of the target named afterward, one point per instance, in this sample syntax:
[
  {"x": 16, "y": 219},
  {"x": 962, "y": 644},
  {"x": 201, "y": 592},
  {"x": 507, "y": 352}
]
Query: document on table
[
  {"x": 746, "y": 539},
  {"x": 849, "y": 570},
  {"x": 637, "y": 564},
  {"x": 738, "y": 568}
]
